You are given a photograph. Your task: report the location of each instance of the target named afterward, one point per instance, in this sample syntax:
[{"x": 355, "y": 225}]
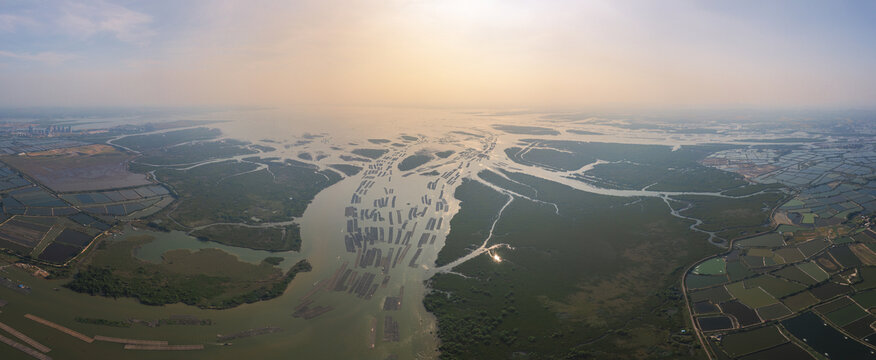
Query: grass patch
[
  {"x": 104, "y": 322},
  {"x": 715, "y": 266},
  {"x": 749, "y": 189},
  {"x": 370, "y": 153},
  {"x": 272, "y": 239},
  {"x": 572, "y": 155},
  {"x": 716, "y": 295},
  {"x": 814, "y": 271},
  {"x": 663, "y": 178},
  {"x": 235, "y": 192},
  {"x": 747, "y": 215},
  {"x": 470, "y": 226},
  {"x": 868, "y": 278},
  {"x": 525, "y": 130},
  {"x": 776, "y": 287},
  {"x": 800, "y": 301},
  {"x": 694, "y": 281},
  {"x": 795, "y": 274},
  {"x": 273, "y": 260},
  {"x": 812, "y": 247},
  {"x": 413, "y": 161},
  {"x": 753, "y": 297},
  {"x": 736, "y": 271},
  {"x": 498, "y": 180},
  {"x": 577, "y": 276},
  {"x": 144, "y": 143},
  {"x": 192, "y": 278},
  {"x": 766, "y": 240},
  {"x": 789, "y": 255},
  {"x": 196, "y": 152},
  {"x": 349, "y": 170},
  {"x": 774, "y": 311}
]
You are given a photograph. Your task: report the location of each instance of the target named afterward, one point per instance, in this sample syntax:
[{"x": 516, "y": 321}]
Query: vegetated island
[
  {"x": 413, "y": 161},
  {"x": 370, "y": 153},
  {"x": 112, "y": 271},
  {"x": 525, "y": 130}
]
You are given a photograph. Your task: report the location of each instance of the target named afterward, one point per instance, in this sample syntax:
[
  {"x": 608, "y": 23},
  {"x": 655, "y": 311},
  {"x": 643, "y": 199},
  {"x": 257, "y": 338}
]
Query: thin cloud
[
  {"x": 10, "y": 23},
  {"x": 87, "y": 19},
  {"x": 141, "y": 63},
  {"x": 48, "y": 57}
]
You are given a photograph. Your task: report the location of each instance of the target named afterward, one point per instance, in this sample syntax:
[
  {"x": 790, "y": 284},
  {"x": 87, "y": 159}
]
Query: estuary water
[{"x": 357, "y": 326}]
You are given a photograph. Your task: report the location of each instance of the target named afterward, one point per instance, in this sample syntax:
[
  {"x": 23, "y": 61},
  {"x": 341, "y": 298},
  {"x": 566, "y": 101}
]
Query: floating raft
[
  {"x": 60, "y": 328},
  {"x": 129, "y": 341},
  {"x": 25, "y": 338},
  {"x": 23, "y": 348},
  {"x": 390, "y": 330},
  {"x": 249, "y": 333},
  {"x": 163, "y": 347},
  {"x": 372, "y": 335}
]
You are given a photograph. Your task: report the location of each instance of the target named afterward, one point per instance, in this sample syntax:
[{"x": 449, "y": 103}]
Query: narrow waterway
[{"x": 483, "y": 248}]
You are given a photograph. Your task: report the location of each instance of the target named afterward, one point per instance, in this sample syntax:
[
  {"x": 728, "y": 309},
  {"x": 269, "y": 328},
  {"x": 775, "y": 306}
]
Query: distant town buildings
[{"x": 34, "y": 130}]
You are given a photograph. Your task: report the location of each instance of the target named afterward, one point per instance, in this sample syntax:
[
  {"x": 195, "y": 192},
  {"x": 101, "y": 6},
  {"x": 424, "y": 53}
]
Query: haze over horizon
[
  {"x": 438, "y": 53},
  {"x": 438, "y": 179}
]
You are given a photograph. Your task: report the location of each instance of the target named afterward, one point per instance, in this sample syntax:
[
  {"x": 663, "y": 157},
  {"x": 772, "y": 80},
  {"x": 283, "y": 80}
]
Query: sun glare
[{"x": 478, "y": 12}]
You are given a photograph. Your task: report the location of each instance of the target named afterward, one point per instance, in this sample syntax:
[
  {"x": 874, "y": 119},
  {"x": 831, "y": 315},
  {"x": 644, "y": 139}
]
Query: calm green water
[{"x": 164, "y": 242}]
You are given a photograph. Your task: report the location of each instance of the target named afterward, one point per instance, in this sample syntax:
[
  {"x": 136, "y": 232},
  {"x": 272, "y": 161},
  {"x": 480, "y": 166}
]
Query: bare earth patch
[{"x": 83, "y": 168}]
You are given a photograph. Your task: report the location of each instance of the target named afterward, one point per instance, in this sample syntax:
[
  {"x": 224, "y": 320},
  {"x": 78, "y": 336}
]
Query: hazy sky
[{"x": 438, "y": 53}]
